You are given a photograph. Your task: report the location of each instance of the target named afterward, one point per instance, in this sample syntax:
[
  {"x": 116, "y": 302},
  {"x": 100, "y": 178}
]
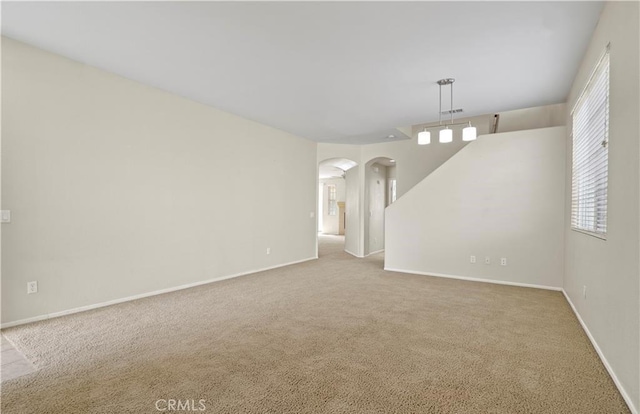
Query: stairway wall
[{"x": 500, "y": 196}]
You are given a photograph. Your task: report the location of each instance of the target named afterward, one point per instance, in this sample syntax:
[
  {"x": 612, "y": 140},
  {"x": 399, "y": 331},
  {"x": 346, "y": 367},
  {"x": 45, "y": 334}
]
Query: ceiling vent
[{"x": 452, "y": 111}]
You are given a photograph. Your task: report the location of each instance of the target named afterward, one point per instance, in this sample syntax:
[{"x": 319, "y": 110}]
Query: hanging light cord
[
  {"x": 451, "y": 103},
  {"x": 469, "y": 133},
  {"x": 440, "y": 111}
]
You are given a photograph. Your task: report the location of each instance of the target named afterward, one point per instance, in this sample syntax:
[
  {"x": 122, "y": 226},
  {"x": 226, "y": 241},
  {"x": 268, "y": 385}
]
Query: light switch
[{"x": 5, "y": 216}]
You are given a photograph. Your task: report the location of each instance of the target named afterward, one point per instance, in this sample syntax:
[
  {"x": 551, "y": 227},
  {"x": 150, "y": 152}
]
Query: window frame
[
  {"x": 592, "y": 164},
  {"x": 332, "y": 200}
]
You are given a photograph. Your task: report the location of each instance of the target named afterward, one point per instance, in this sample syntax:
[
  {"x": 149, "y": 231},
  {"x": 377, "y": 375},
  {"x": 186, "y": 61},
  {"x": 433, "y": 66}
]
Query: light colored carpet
[{"x": 337, "y": 335}]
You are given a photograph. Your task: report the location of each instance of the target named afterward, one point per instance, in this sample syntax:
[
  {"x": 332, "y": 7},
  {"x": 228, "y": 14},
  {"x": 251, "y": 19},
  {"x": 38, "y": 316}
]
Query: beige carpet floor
[{"x": 337, "y": 335}]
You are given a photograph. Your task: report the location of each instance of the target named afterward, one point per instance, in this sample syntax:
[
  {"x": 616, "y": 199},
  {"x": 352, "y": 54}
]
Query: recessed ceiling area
[
  {"x": 384, "y": 161},
  {"x": 349, "y": 72},
  {"x": 335, "y": 167}
]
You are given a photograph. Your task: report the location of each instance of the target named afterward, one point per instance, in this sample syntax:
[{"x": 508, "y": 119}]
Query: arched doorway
[
  {"x": 379, "y": 192},
  {"x": 338, "y": 199}
]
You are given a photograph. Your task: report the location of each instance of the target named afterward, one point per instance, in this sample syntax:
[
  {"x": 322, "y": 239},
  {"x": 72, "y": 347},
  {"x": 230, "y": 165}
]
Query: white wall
[
  {"x": 352, "y": 211},
  {"x": 501, "y": 196},
  {"x": 531, "y": 118},
  {"x": 331, "y": 224},
  {"x": 391, "y": 173},
  {"x": 610, "y": 269},
  {"x": 115, "y": 188}
]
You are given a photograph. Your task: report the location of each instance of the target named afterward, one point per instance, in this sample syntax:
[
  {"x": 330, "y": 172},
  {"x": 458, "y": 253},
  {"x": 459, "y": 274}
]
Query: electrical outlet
[
  {"x": 487, "y": 260},
  {"x": 5, "y": 216},
  {"x": 268, "y": 250},
  {"x": 503, "y": 261},
  {"x": 32, "y": 287},
  {"x": 472, "y": 259},
  {"x": 584, "y": 292}
]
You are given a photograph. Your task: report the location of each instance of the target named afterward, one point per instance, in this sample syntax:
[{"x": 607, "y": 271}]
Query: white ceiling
[{"x": 332, "y": 72}]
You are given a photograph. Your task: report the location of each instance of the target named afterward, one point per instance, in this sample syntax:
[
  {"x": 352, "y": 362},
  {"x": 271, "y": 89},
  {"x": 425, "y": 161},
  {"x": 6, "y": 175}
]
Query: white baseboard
[
  {"x": 474, "y": 279},
  {"x": 623, "y": 392},
  {"x": 376, "y": 252},
  {"x": 353, "y": 254},
  {"x": 362, "y": 257},
  {"x": 143, "y": 295}
]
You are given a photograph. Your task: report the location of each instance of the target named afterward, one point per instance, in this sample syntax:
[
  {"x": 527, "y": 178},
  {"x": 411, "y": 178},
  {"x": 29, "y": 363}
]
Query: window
[
  {"x": 392, "y": 191},
  {"x": 590, "y": 159},
  {"x": 333, "y": 200}
]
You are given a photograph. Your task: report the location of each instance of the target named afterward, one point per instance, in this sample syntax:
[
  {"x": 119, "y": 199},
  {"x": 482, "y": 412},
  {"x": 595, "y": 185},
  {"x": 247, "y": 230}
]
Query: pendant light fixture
[
  {"x": 445, "y": 135},
  {"x": 424, "y": 138},
  {"x": 469, "y": 133}
]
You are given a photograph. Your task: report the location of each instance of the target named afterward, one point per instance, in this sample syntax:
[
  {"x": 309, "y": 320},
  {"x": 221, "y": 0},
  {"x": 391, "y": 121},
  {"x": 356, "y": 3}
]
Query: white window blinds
[
  {"x": 333, "y": 200},
  {"x": 590, "y": 162}
]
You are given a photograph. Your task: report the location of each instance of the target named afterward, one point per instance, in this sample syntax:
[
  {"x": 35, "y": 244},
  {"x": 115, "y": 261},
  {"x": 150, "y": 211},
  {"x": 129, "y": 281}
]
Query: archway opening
[
  {"x": 380, "y": 184},
  {"x": 337, "y": 205}
]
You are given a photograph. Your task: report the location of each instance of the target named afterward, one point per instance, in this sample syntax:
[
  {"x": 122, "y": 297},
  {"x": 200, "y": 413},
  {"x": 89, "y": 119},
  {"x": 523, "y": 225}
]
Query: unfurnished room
[{"x": 320, "y": 207}]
